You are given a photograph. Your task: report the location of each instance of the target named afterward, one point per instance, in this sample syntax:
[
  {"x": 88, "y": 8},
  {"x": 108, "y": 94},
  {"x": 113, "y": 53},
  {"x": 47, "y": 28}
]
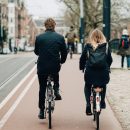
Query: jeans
[
  {"x": 122, "y": 61},
  {"x": 128, "y": 61},
  {"x": 42, "y": 87},
  {"x": 87, "y": 92}
]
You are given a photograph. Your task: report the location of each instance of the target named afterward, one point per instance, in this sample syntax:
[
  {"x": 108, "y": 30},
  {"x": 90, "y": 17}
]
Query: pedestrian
[
  {"x": 95, "y": 61},
  {"x": 70, "y": 36},
  {"x": 51, "y": 50},
  {"x": 128, "y": 56},
  {"x": 124, "y": 48},
  {"x": 10, "y": 45}
]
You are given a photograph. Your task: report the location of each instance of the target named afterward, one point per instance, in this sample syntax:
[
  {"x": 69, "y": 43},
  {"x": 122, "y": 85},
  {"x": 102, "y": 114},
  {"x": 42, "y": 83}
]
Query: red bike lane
[{"x": 69, "y": 114}]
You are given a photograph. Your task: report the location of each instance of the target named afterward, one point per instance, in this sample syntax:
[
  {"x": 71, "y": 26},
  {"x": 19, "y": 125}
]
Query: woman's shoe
[{"x": 88, "y": 110}]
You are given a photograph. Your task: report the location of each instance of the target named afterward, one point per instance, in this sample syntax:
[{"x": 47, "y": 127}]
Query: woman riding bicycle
[{"x": 96, "y": 60}]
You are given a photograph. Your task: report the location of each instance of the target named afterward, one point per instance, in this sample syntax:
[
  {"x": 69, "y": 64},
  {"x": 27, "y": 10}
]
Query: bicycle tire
[
  {"x": 49, "y": 115},
  {"x": 94, "y": 110},
  {"x": 97, "y": 120},
  {"x": 94, "y": 116}
]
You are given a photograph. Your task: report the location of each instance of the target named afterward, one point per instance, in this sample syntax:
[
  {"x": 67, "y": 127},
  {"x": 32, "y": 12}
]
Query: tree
[
  {"x": 93, "y": 10},
  {"x": 72, "y": 12},
  {"x": 93, "y": 14},
  {"x": 91, "y": 21}
]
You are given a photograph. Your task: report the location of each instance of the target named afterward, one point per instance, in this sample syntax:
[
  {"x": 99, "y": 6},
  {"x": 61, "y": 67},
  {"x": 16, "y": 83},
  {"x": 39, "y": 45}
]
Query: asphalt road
[
  {"x": 12, "y": 69},
  {"x": 69, "y": 113}
]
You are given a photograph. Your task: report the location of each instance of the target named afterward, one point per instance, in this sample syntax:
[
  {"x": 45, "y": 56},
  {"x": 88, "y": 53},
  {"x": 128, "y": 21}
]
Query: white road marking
[
  {"x": 6, "y": 60},
  {"x": 11, "y": 110},
  {"x": 14, "y": 75},
  {"x": 16, "y": 88}
]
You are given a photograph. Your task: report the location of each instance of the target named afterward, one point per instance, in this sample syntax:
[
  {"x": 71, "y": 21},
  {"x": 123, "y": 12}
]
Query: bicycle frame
[
  {"x": 98, "y": 99},
  {"x": 50, "y": 102},
  {"x": 50, "y": 92},
  {"x": 95, "y": 99}
]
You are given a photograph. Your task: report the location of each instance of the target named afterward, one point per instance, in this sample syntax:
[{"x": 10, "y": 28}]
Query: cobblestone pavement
[{"x": 118, "y": 93}]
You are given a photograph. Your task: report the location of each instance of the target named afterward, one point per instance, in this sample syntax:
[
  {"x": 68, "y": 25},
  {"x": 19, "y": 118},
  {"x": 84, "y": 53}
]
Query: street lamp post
[
  {"x": 107, "y": 18},
  {"x": 82, "y": 23}
]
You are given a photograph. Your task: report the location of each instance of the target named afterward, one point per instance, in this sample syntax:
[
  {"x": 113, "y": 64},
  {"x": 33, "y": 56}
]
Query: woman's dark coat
[
  {"x": 95, "y": 76},
  {"x": 51, "y": 50}
]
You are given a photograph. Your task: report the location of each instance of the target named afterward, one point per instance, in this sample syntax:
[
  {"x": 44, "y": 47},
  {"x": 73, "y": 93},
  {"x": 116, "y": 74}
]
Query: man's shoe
[
  {"x": 57, "y": 96},
  {"x": 103, "y": 105},
  {"x": 41, "y": 114}
]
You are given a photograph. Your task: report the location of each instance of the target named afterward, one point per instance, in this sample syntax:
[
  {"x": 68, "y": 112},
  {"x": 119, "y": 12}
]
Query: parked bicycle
[
  {"x": 50, "y": 102},
  {"x": 95, "y": 99}
]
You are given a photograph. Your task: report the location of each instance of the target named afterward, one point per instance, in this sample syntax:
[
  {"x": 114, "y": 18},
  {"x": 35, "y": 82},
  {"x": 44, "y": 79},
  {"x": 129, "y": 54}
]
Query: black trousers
[
  {"x": 87, "y": 92},
  {"x": 42, "y": 87}
]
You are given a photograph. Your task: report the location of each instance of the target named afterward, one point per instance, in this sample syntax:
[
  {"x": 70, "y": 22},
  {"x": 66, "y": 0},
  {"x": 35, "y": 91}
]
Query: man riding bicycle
[
  {"x": 70, "y": 36},
  {"x": 51, "y": 50}
]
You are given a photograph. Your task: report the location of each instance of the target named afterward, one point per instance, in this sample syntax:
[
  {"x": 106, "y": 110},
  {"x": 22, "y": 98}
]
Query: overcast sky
[{"x": 45, "y": 8}]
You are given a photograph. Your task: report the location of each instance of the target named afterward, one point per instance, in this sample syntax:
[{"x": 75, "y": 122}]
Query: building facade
[
  {"x": 32, "y": 31},
  {"x": 3, "y": 23},
  {"x": 17, "y": 24}
]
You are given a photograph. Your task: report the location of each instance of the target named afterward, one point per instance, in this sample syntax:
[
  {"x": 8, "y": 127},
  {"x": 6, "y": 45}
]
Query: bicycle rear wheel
[
  {"x": 94, "y": 110},
  {"x": 49, "y": 115},
  {"x": 97, "y": 119},
  {"x": 94, "y": 117}
]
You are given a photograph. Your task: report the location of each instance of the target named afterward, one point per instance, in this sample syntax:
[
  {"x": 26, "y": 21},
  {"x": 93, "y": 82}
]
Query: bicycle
[
  {"x": 50, "y": 102},
  {"x": 95, "y": 100}
]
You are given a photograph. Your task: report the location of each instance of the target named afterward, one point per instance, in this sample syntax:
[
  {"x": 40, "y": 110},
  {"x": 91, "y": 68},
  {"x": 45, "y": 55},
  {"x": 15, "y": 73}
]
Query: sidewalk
[
  {"x": 69, "y": 114},
  {"x": 117, "y": 62},
  {"x": 118, "y": 93}
]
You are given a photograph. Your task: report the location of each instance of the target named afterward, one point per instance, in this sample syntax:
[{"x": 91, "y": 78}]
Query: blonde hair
[{"x": 97, "y": 37}]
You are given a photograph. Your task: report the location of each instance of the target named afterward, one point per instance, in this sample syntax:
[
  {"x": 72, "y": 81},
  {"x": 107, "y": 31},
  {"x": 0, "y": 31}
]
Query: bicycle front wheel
[
  {"x": 97, "y": 119},
  {"x": 49, "y": 115}
]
